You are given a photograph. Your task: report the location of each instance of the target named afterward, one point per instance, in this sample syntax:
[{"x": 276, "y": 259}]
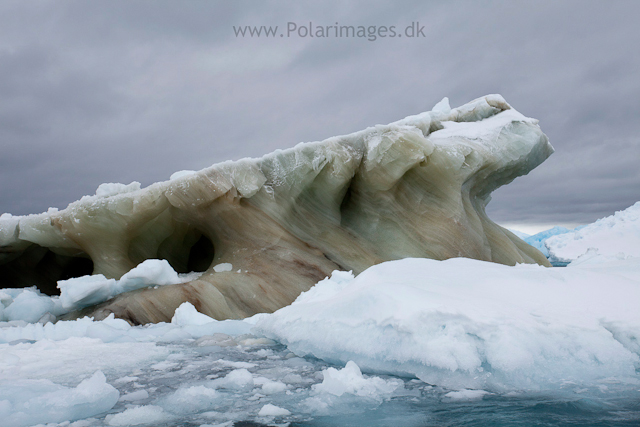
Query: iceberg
[
  {"x": 417, "y": 187},
  {"x": 616, "y": 236},
  {"x": 538, "y": 240}
]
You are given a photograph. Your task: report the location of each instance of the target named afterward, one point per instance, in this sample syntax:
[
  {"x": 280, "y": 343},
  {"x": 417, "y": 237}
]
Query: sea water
[{"x": 416, "y": 404}]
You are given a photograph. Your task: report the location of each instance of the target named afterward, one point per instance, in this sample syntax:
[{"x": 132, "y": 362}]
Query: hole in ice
[
  {"x": 194, "y": 253},
  {"x": 42, "y": 267},
  {"x": 200, "y": 255},
  {"x": 185, "y": 248}
]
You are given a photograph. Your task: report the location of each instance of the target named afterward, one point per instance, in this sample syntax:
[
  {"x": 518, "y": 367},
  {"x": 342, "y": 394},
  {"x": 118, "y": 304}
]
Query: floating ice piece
[
  {"x": 270, "y": 410},
  {"x": 238, "y": 379},
  {"x": 29, "y": 402},
  {"x": 350, "y": 380},
  {"x": 84, "y": 291},
  {"x": 29, "y": 305},
  {"x": 187, "y": 315},
  {"x": 139, "y": 415},
  {"x": 273, "y": 387},
  {"x": 192, "y": 399},
  {"x": 134, "y": 396},
  {"x": 152, "y": 272},
  {"x": 111, "y": 329},
  {"x": 466, "y": 395}
]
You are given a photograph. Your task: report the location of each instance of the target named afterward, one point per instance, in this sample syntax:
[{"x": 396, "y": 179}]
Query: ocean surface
[{"x": 419, "y": 404}]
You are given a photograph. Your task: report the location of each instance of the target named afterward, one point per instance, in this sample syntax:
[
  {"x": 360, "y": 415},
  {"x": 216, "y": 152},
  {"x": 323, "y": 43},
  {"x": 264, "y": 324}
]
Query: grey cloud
[{"x": 133, "y": 90}]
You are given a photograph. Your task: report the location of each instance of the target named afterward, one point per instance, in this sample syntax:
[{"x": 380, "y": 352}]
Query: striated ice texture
[{"x": 264, "y": 230}]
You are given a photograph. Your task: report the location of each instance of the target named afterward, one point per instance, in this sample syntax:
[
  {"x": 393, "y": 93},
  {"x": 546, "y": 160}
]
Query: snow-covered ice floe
[
  {"x": 453, "y": 332},
  {"x": 464, "y": 323}
]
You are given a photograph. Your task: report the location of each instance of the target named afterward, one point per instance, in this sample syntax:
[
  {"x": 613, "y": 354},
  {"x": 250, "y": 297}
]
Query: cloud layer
[{"x": 120, "y": 91}]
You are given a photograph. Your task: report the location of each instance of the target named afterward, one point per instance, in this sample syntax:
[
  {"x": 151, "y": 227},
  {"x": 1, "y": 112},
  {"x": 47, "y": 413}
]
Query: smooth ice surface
[
  {"x": 463, "y": 323},
  {"x": 617, "y": 235}
]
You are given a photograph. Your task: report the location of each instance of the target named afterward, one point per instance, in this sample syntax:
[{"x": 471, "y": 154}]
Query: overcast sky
[{"x": 121, "y": 91}]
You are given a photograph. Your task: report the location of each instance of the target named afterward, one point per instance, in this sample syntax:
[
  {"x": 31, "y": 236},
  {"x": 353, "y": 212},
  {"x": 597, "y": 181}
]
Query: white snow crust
[
  {"x": 617, "y": 235},
  {"x": 464, "y": 323},
  {"x": 469, "y": 330}
]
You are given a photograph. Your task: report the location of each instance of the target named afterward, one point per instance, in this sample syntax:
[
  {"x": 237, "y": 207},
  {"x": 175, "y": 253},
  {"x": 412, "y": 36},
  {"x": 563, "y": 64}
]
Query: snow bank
[
  {"x": 615, "y": 235},
  {"x": 467, "y": 324}
]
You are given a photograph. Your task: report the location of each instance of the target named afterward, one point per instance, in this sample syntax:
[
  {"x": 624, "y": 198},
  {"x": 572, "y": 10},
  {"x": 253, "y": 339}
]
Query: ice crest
[{"x": 442, "y": 106}]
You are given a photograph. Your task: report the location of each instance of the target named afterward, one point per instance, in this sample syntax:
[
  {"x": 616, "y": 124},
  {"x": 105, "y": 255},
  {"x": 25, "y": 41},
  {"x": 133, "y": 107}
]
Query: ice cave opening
[
  {"x": 200, "y": 256},
  {"x": 187, "y": 249},
  {"x": 41, "y": 267}
]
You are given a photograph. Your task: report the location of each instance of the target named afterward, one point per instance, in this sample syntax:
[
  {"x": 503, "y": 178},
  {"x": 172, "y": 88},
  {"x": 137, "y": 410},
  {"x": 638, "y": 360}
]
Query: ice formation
[
  {"x": 414, "y": 188},
  {"x": 560, "y": 343},
  {"x": 538, "y": 240},
  {"x": 30, "y": 402},
  {"x": 468, "y": 324},
  {"x": 617, "y": 235}
]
